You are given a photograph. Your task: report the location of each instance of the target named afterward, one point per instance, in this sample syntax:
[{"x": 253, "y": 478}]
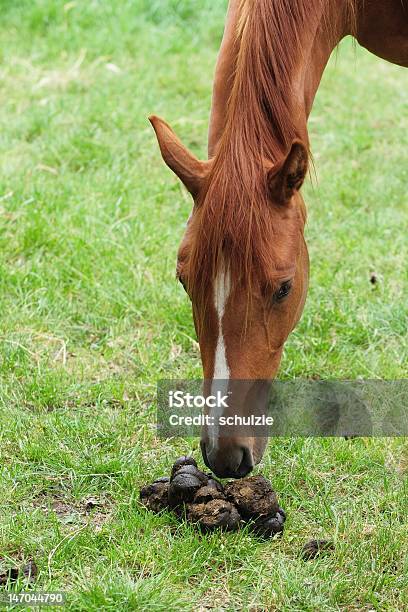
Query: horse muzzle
[{"x": 227, "y": 458}]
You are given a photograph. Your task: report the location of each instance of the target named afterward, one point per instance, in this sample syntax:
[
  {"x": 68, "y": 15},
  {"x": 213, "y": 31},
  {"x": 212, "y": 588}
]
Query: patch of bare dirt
[{"x": 95, "y": 511}]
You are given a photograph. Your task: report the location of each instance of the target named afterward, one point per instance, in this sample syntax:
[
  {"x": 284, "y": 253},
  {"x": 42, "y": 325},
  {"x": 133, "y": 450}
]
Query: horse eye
[{"x": 283, "y": 291}]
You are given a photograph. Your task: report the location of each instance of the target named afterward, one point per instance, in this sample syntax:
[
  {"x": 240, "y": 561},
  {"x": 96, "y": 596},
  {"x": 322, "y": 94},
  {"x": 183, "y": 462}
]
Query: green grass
[{"x": 91, "y": 317}]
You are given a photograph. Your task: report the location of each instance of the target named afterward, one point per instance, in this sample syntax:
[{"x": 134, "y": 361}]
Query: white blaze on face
[{"x": 222, "y": 288}]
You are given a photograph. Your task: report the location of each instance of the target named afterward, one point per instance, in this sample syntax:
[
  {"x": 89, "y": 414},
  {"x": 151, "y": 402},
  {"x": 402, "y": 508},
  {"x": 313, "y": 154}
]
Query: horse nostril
[
  {"x": 204, "y": 454},
  {"x": 247, "y": 463}
]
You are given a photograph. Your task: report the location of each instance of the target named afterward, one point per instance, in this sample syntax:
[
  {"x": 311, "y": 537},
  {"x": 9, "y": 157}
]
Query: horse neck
[
  {"x": 319, "y": 39},
  {"x": 281, "y": 52}
]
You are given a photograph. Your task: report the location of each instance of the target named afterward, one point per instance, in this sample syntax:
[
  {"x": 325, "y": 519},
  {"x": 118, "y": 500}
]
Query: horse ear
[
  {"x": 190, "y": 170},
  {"x": 287, "y": 176}
]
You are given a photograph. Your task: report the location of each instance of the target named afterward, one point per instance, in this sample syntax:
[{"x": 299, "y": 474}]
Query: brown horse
[{"x": 243, "y": 259}]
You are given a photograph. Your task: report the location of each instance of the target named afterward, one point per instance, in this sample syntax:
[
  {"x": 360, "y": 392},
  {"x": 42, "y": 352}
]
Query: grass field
[{"x": 91, "y": 317}]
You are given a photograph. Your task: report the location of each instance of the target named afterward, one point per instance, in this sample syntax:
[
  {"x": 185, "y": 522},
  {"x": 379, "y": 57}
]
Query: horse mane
[{"x": 235, "y": 222}]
